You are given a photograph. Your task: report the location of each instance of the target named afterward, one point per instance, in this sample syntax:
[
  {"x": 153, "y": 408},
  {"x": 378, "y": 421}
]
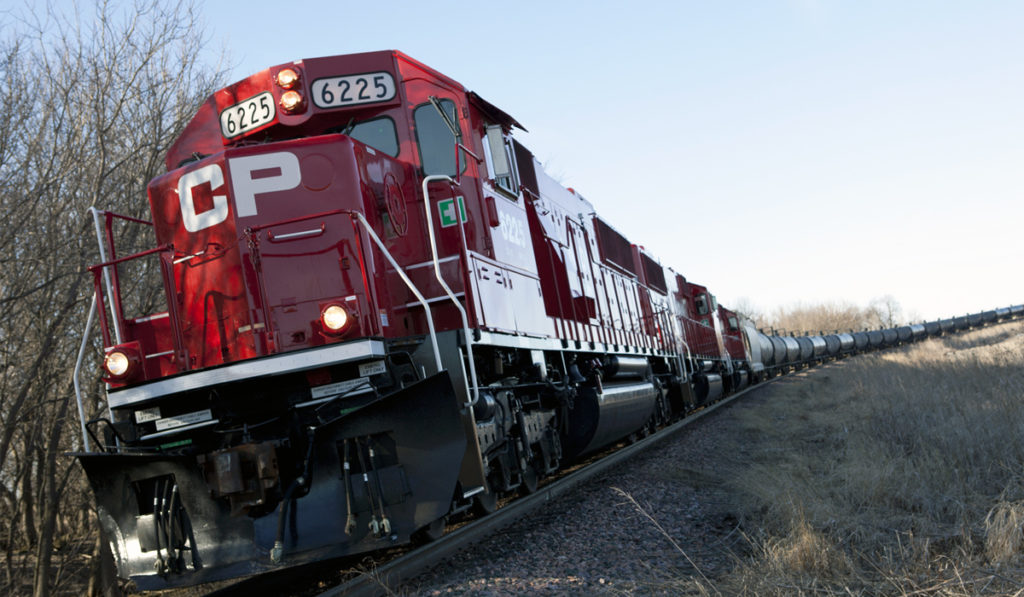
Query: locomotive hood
[{"x": 244, "y": 264}]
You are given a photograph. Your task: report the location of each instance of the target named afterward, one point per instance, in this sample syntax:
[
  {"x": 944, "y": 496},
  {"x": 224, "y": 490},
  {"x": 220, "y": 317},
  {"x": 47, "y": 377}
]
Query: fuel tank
[
  {"x": 708, "y": 386},
  {"x": 600, "y": 416}
]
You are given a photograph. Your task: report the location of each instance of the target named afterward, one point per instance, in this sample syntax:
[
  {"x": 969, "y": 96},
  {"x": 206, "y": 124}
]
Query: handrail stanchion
[
  {"x": 437, "y": 272},
  {"x": 412, "y": 287},
  {"x": 78, "y": 369},
  {"x": 106, "y": 270}
]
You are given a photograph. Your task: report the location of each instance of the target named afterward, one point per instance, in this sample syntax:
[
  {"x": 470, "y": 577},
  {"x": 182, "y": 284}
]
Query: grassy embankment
[{"x": 898, "y": 473}]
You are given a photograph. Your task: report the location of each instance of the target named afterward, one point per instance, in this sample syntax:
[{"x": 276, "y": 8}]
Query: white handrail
[
  {"x": 78, "y": 369},
  {"x": 686, "y": 369},
  {"x": 408, "y": 283},
  {"x": 437, "y": 272},
  {"x": 106, "y": 272}
]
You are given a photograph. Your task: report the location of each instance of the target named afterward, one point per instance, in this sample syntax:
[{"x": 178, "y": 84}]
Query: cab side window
[
  {"x": 435, "y": 139},
  {"x": 501, "y": 162},
  {"x": 702, "y": 305}
]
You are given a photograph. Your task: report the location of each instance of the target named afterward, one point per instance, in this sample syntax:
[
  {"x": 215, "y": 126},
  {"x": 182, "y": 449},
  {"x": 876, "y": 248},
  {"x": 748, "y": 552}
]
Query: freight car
[{"x": 380, "y": 312}]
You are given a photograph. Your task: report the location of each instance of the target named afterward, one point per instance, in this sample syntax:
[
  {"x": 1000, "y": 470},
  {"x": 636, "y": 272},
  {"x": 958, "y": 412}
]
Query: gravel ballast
[{"x": 604, "y": 537}]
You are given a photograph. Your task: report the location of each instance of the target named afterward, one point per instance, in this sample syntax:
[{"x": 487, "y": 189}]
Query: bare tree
[
  {"x": 89, "y": 104},
  {"x": 822, "y": 317},
  {"x": 885, "y": 311},
  {"x": 746, "y": 309}
]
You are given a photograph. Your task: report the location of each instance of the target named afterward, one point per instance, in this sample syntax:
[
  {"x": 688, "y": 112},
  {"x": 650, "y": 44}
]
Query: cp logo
[{"x": 250, "y": 176}]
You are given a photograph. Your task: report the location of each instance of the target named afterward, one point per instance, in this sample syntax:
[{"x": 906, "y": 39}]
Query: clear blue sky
[{"x": 780, "y": 151}]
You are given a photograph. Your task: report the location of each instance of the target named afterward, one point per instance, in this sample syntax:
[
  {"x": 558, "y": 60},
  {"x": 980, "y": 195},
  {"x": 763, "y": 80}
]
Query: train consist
[{"x": 381, "y": 312}]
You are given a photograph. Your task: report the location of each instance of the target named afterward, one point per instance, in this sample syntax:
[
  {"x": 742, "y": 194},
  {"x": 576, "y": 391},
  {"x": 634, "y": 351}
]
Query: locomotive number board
[
  {"x": 247, "y": 115},
  {"x": 351, "y": 90}
]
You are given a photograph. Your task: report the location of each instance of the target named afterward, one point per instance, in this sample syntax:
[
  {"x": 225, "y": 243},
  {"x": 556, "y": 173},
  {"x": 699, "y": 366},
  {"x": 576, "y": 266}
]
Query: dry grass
[{"x": 900, "y": 473}]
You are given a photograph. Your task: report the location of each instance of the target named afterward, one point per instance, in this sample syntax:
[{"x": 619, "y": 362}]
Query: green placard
[{"x": 446, "y": 211}]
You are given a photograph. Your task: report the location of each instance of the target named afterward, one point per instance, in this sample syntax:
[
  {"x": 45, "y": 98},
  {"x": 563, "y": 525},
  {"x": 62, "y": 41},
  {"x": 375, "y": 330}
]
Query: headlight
[
  {"x": 335, "y": 318},
  {"x": 287, "y": 78},
  {"x": 117, "y": 363},
  {"x": 291, "y": 101}
]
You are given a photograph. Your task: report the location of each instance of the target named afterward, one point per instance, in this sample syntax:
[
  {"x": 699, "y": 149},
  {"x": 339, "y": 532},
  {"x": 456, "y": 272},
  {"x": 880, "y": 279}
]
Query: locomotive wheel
[
  {"x": 431, "y": 532},
  {"x": 530, "y": 479},
  {"x": 485, "y": 503}
]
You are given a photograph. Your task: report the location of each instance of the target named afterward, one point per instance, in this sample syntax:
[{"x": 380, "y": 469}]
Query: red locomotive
[{"x": 380, "y": 312}]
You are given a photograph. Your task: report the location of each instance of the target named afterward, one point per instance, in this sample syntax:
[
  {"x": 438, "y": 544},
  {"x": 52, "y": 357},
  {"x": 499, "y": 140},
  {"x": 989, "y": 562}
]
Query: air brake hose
[
  {"x": 374, "y": 524},
  {"x": 161, "y": 567},
  {"x": 350, "y": 521},
  {"x": 175, "y": 558},
  {"x": 385, "y": 523},
  {"x": 277, "y": 552}
]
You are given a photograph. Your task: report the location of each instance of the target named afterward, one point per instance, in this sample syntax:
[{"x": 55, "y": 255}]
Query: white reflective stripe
[
  {"x": 355, "y": 392},
  {"x": 163, "y": 315},
  {"x": 473, "y": 492},
  {"x": 433, "y": 300},
  {"x": 272, "y": 365},
  {"x": 302, "y": 234},
  {"x": 180, "y": 429},
  {"x": 431, "y": 263},
  {"x": 188, "y": 257}
]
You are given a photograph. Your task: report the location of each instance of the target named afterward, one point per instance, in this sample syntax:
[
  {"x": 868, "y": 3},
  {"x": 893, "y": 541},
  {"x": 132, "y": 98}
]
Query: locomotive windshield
[
  {"x": 436, "y": 139},
  {"x": 378, "y": 133}
]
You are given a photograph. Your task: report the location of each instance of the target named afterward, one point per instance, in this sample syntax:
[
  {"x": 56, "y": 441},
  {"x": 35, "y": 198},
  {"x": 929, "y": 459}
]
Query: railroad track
[
  {"x": 385, "y": 578},
  {"x": 371, "y": 578},
  {"x": 382, "y": 572}
]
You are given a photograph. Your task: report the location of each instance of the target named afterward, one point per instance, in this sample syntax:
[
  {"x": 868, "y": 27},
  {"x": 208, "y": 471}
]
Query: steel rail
[{"x": 387, "y": 578}]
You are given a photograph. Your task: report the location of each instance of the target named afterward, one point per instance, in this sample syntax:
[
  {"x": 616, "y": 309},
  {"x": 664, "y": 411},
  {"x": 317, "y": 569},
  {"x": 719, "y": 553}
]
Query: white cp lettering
[
  {"x": 245, "y": 187},
  {"x": 193, "y": 221}
]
